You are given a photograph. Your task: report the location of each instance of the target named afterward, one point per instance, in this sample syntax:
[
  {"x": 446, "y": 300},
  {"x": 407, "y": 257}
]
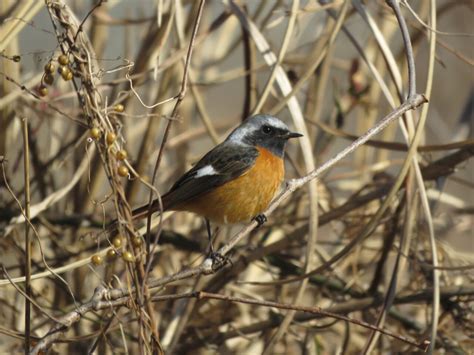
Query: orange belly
[{"x": 243, "y": 198}]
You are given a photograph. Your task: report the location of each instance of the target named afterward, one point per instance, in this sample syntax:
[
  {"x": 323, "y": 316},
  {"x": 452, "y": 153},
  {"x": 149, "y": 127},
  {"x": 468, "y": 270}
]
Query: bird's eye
[{"x": 267, "y": 129}]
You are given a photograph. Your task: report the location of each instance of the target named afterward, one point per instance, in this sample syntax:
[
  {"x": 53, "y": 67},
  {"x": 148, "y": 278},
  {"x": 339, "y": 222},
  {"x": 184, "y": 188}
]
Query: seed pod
[
  {"x": 119, "y": 108},
  {"x": 127, "y": 256},
  {"x": 48, "y": 79},
  {"x": 121, "y": 154},
  {"x": 117, "y": 241},
  {"x": 111, "y": 254},
  {"x": 49, "y": 67},
  {"x": 110, "y": 138},
  {"x": 66, "y": 73},
  {"x": 122, "y": 170},
  {"x": 95, "y": 132},
  {"x": 43, "y": 90},
  {"x": 137, "y": 242},
  {"x": 96, "y": 259},
  {"x": 63, "y": 59}
]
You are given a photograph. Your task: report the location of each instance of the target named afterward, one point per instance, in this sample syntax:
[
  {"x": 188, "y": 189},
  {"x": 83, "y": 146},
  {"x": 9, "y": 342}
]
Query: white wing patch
[{"x": 207, "y": 170}]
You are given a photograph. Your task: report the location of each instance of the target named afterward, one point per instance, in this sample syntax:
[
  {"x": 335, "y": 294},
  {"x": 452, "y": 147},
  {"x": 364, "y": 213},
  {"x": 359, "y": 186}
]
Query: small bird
[{"x": 236, "y": 180}]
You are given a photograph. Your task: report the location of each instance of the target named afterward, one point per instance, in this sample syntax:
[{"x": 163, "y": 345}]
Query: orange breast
[{"x": 245, "y": 197}]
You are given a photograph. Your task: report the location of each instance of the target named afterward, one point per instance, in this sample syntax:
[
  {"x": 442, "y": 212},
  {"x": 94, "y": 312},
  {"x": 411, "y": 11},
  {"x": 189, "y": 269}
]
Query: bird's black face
[{"x": 273, "y": 138}]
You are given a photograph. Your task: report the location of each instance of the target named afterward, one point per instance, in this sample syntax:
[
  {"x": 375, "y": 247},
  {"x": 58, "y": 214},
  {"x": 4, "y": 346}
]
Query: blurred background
[{"x": 126, "y": 65}]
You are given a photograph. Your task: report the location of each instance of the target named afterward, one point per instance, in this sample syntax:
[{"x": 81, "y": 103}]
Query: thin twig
[
  {"x": 408, "y": 47},
  {"x": 89, "y": 13},
  {"x": 284, "y": 46},
  {"x": 26, "y": 160},
  {"x": 426, "y": 207},
  {"x": 180, "y": 98},
  {"x": 100, "y": 301},
  {"x": 312, "y": 310}
]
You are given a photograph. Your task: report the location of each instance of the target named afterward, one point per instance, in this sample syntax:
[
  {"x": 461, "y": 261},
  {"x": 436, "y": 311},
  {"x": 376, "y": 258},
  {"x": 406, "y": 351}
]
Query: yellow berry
[
  {"x": 67, "y": 74},
  {"x": 49, "y": 67},
  {"x": 63, "y": 59},
  {"x": 122, "y": 170},
  {"x": 119, "y": 108},
  {"x": 43, "y": 90},
  {"x": 122, "y": 154},
  {"x": 127, "y": 256},
  {"x": 111, "y": 254},
  {"x": 96, "y": 259},
  {"x": 137, "y": 242},
  {"x": 48, "y": 79},
  {"x": 95, "y": 132},
  {"x": 117, "y": 242},
  {"x": 110, "y": 138}
]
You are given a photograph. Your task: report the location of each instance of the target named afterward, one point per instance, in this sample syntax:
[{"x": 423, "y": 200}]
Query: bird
[{"x": 236, "y": 180}]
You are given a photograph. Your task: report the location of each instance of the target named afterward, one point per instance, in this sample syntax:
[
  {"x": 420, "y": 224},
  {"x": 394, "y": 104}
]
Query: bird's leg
[
  {"x": 260, "y": 219},
  {"x": 209, "y": 235},
  {"x": 218, "y": 260}
]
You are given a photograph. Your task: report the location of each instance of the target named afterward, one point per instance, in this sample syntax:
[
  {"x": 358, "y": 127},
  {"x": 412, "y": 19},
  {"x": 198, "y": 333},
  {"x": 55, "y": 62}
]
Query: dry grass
[{"x": 368, "y": 253}]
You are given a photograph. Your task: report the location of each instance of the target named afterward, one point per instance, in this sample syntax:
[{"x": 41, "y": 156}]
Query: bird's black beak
[{"x": 293, "y": 135}]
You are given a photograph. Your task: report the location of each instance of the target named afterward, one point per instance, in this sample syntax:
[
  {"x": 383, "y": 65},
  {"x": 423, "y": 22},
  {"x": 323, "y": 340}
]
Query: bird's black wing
[{"x": 228, "y": 161}]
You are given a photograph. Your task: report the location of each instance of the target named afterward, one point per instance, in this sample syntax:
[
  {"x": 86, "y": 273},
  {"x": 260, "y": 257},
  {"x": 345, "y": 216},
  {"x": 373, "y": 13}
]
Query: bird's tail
[{"x": 142, "y": 211}]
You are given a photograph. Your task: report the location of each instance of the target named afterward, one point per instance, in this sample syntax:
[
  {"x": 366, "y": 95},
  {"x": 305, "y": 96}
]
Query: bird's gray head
[{"x": 263, "y": 131}]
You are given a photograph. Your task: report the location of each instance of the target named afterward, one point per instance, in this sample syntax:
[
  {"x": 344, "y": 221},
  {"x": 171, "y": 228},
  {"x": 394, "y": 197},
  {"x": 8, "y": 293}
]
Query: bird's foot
[
  {"x": 260, "y": 219},
  {"x": 219, "y": 260}
]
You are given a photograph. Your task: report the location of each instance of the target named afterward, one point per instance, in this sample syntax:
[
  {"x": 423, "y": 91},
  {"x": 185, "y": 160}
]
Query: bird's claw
[
  {"x": 219, "y": 260},
  {"x": 260, "y": 219}
]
